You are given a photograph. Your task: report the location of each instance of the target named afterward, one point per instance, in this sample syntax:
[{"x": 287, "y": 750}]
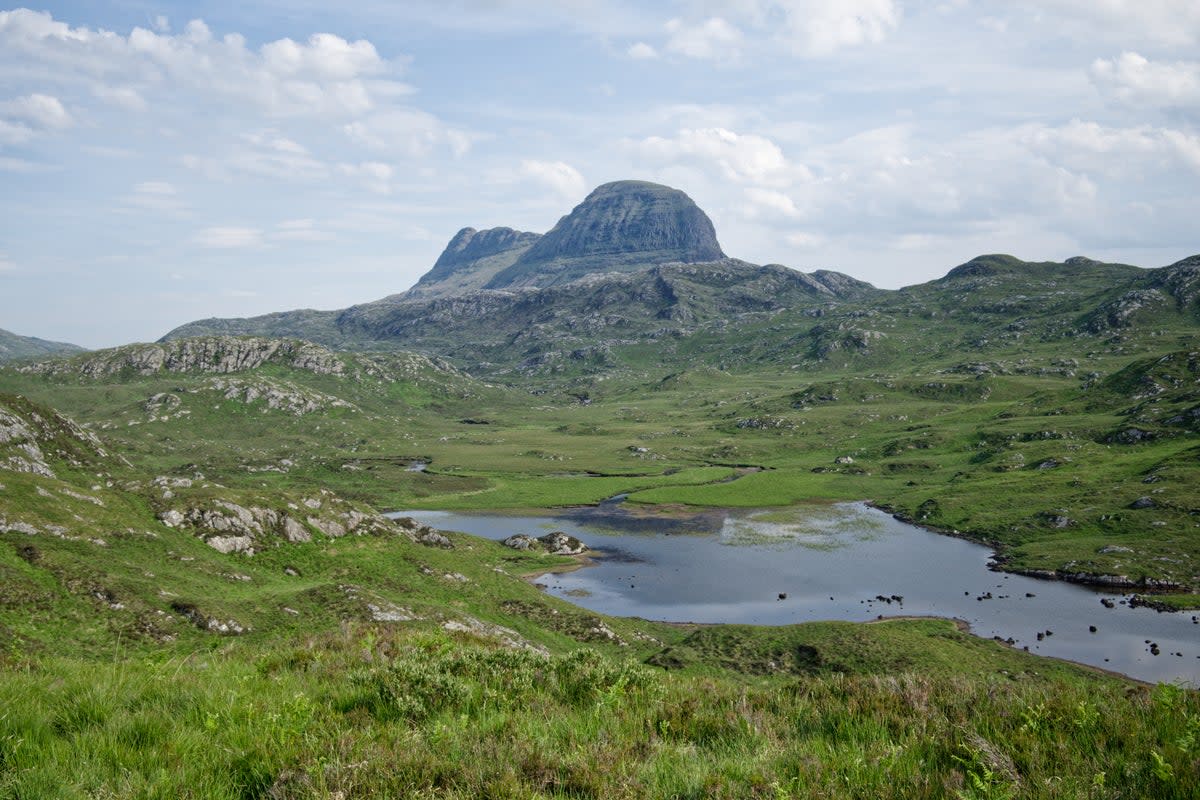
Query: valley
[{"x": 201, "y": 593}]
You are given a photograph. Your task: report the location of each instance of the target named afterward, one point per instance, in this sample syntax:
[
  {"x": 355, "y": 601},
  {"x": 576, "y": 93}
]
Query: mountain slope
[
  {"x": 14, "y": 347},
  {"x": 470, "y": 261}
]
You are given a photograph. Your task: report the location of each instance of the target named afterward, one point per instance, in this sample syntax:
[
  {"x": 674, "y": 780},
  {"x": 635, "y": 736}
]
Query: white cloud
[
  {"x": 122, "y": 97},
  {"x": 156, "y": 188},
  {"x": 556, "y": 175},
  {"x": 374, "y": 175},
  {"x": 770, "y": 204},
  {"x": 1115, "y": 151},
  {"x": 12, "y": 133},
  {"x": 1135, "y": 79},
  {"x": 157, "y": 196},
  {"x": 25, "y": 166},
  {"x": 407, "y": 132},
  {"x": 803, "y": 240},
  {"x": 640, "y": 51},
  {"x": 744, "y": 158},
  {"x": 262, "y": 154},
  {"x": 229, "y": 238},
  {"x": 809, "y": 28},
  {"x": 325, "y": 57},
  {"x": 713, "y": 39},
  {"x": 300, "y": 230},
  {"x": 42, "y": 110},
  {"x": 1169, "y": 22},
  {"x": 6, "y": 265},
  {"x": 821, "y": 27},
  {"x": 326, "y": 75}
]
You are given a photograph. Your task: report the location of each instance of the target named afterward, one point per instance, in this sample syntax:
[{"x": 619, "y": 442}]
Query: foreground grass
[{"x": 366, "y": 712}]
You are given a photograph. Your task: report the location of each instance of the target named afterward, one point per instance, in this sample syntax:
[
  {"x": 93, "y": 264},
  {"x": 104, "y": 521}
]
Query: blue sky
[{"x": 162, "y": 162}]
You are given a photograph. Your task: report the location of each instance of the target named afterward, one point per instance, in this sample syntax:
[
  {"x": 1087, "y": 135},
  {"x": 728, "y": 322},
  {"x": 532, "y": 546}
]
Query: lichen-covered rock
[
  {"x": 557, "y": 543},
  {"x": 520, "y": 541},
  {"x": 277, "y": 395},
  {"x": 421, "y": 533},
  {"x": 329, "y": 527},
  {"x": 293, "y": 531},
  {"x": 560, "y": 543}
]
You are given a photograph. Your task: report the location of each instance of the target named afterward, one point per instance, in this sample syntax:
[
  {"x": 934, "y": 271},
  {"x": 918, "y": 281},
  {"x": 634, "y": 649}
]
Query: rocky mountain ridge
[{"x": 639, "y": 264}]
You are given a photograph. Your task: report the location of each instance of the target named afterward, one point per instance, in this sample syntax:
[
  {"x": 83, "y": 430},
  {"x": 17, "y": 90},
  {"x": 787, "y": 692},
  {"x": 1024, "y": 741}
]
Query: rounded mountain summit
[{"x": 620, "y": 227}]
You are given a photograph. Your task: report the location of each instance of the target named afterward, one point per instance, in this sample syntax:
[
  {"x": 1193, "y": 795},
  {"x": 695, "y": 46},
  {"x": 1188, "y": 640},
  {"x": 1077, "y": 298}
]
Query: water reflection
[{"x": 844, "y": 561}]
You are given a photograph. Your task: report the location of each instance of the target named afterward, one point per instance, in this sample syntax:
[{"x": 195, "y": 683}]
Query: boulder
[{"x": 560, "y": 543}]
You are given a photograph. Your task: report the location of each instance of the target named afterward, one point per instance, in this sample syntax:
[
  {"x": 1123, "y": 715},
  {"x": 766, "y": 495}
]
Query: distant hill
[{"x": 14, "y": 347}]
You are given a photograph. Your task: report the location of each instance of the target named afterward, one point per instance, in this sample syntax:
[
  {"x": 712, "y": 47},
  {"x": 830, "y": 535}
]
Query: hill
[{"x": 14, "y": 347}]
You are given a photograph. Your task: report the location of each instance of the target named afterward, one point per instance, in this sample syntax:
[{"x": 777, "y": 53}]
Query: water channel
[{"x": 838, "y": 562}]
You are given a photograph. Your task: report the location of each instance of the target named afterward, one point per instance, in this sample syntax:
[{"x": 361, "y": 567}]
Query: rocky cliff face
[{"x": 621, "y": 226}]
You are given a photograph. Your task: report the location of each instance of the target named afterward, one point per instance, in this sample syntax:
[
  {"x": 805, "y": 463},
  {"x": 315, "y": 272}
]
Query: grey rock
[
  {"x": 520, "y": 541},
  {"x": 560, "y": 543},
  {"x": 231, "y": 544},
  {"x": 294, "y": 531}
]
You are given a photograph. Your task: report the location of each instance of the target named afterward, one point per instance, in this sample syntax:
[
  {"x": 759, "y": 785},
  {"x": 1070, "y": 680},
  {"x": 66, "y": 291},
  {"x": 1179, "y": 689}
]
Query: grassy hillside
[
  {"x": 351, "y": 656},
  {"x": 1083, "y": 467}
]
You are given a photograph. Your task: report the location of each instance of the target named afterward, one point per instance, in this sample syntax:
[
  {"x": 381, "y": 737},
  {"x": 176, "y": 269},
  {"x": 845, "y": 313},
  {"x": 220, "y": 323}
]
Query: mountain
[
  {"x": 622, "y": 227},
  {"x": 14, "y": 347},
  {"x": 638, "y": 265},
  {"x": 634, "y": 259}
]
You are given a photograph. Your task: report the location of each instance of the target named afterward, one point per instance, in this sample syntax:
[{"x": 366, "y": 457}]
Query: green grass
[
  {"x": 113, "y": 683},
  {"x": 368, "y": 712}
]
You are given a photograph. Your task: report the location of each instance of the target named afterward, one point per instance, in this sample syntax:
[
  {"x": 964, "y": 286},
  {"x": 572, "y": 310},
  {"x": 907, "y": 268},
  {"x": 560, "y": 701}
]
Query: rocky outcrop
[
  {"x": 31, "y": 437},
  {"x": 278, "y": 395},
  {"x": 1124, "y": 310},
  {"x": 1181, "y": 281},
  {"x": 216, "y": 354},
  {"x": 249, "y": 527},
  {"x": 557, "y": 543}
]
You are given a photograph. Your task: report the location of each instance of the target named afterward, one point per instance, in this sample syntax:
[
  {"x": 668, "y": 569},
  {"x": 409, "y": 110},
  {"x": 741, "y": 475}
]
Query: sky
[{"x": 162, "y": 162}]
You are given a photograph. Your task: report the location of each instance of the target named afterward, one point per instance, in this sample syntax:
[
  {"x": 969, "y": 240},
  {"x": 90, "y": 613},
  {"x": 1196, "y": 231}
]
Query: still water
[{"x": 836, "y": 562}]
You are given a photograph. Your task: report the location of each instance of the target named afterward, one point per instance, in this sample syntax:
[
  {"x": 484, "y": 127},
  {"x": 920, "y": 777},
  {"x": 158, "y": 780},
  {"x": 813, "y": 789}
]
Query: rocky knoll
[
  {"x": 227, "y": 355},
  {"x": 257, "y": 523},
  {"x": 621, "y": 226},
  {"x": 31, "y": 438},
  {"x": 216, "y": 354}
]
